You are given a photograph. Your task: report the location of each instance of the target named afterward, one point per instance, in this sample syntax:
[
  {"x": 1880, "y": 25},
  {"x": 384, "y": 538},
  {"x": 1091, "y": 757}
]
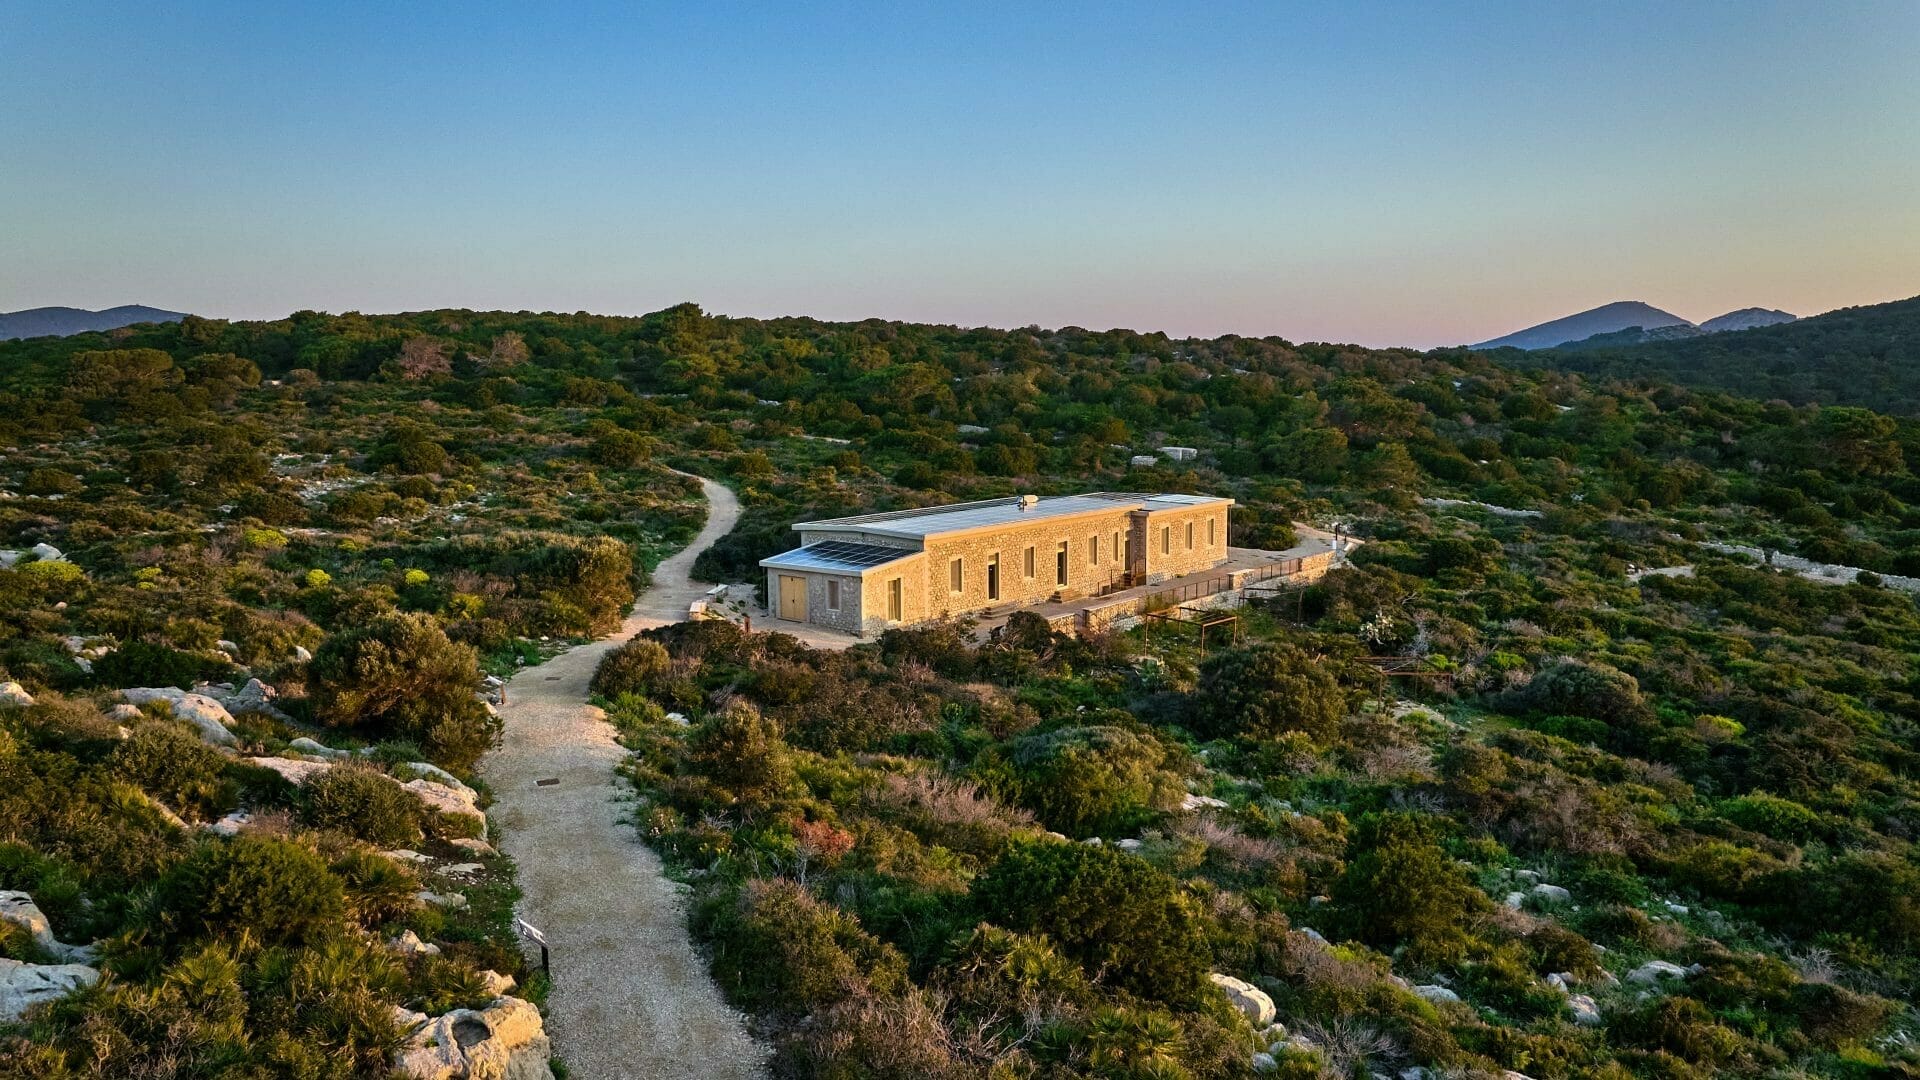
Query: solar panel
[{"x": 836, "y": 555}]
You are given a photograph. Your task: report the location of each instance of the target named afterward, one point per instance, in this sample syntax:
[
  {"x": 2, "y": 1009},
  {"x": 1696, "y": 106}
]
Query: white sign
[{"x": 531, "y": 931}]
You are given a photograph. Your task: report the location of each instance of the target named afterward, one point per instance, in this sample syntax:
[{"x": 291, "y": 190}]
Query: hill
[
  {"x": 1747, "y": 319},
  {"x": 1712, "y": 769},
  {"x": 1868, "y": 356},
  {"x": 1605, "y": 319},
  {"x": 65, "y": 321}
]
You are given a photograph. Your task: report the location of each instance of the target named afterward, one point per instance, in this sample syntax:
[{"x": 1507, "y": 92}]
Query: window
[
  {"x": 896, "y": 605},
  {"x": 1166, "y": 539},
  {"x": 1189, "y": 536},
  {"x": 1060, "y": 564},
  {"x": 993, "y": 576},
  {"x": 1211, "y": 539},
  {"x": 1093, "y": 551},
  {"x": 1030, "y": 566},
  {"x": 833, "y": 595},
  {"x": 957, "y": 575}
]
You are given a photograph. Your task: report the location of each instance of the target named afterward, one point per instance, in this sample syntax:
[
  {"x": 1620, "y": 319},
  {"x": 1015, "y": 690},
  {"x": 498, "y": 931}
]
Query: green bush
[
  {"x": 1123, "y": 920},
  {"x": 176, "y": 767},
  {"x": 1090, "y": 781},
  {"x": 1782, "y": 819},
  {"x": 143, "y": 663},
  {"x": 398, "y": 676},
  {"x": 1400, "y": 887},
  {"x": 741, "y": 752},
  {"x": 274, "y": 889},
  {"x": 1264, "y": 690},
  {"x": 363, "y": 803},
  {"x": 776, "y": 948},
  {"x": 633, "y": 668}
]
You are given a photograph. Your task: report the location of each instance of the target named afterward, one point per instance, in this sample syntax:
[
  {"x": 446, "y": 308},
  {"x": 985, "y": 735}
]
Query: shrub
[
  {"x": 275, "y": 889},
  {"x": 362, "y": 803},
  {"x": 776, "y": 948},
  {"x": 177, "y": 768},
  {"x": 741, "y": 752},
  {"x": 1782, "y": 819},
  {"x": 1265, "y": 690},
  {"x": 398, "y": 676},
  {"x": 1581, "y": 688},
  {"x": 1088, "y": 781},
  {"x": 633, "y": 668},
  {"x": 1123, "y": 920},
  {"x": 142, "y": 663},
  {"x": 318, "y": 579},
  {"x": 1401, "y": 888}
]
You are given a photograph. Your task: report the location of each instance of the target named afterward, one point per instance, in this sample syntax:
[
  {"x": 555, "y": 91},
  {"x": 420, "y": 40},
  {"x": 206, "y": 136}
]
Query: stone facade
[
  {"x": 1072, "y": 553},
  {"x": 1178, "y": 542}
]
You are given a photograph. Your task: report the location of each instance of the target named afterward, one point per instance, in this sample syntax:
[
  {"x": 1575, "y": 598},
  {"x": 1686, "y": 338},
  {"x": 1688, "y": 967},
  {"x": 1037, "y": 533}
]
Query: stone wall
[
  {"x": 1085, "y": 576},
  {"x": 913, "y": 597},
  {"x": 1179, "y": 558},
  {"x": 848, "y": 618}
]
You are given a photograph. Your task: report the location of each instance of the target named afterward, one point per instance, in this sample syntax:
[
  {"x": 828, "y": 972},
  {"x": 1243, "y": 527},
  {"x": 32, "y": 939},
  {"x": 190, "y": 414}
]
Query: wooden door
[{"x": 793, "y": 598}]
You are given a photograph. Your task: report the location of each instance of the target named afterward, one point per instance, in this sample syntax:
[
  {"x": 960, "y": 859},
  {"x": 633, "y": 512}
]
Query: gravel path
[{"x": 631, "y": 997}]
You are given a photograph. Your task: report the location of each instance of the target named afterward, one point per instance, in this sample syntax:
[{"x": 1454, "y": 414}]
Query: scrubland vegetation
[{"x": 892, "y": 847}]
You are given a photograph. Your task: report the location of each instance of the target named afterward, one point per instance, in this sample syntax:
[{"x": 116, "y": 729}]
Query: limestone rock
[
  {"x": 18, "y": 908},
  {"x": 473, "y": 846},
  {"x": 293, "y": 769},
  {"x": 444, "y": 799},
  {"x": 316, "y": 749},
  {"x": 48, "y": 553},
  {"x": 1653, "y": 972},
  {"x": 231, "y": 825},
  {"x": 1202, "y": 802},
  {"x": 504, "y": 1041},
  {"x": 1552, "y": 894},
  {"x": 1515, "y": 899},
  {"x": 302, "y": 654},
  {"x": 1263, "y": 1063},
  {"x": 496, "y": 983},
  {"x": 454, "y": 901},
  {"x": 124, "y": 713},
  {"x": 1436, "y": 993},
  {"x": 253, "y": 697},
  {"x": 1252, "y": 1001},
  {"x": 201, "y": 711},
  {"x": 22, "y": 986},
  {"x": 409, "y": 944},
  {"x": 407, "y": 855},
  {"x": 1586, "y": 1012},
  {"x": 438, "y": 775},
  {"x": 12, "y": 693}
]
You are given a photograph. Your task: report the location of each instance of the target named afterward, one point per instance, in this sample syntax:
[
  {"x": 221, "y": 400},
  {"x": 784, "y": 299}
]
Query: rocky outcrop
[
  {"x": 315, "y": 749},
  {"x": 1436, "y": 993},
  {"x": 1655, "y": 972},
  {"x": 201, "y": 711},
  {"x": 254, "y": 697},
  {"x": 19, "y": 909},
  {"x": 12, "y": 693},
  {"x": 504, "y": 1041},
  {"x": 1586, "y": 1012},
  {"x": 22, "y": 986},
  {"x": 294, "y": 770},
  {"x": 1252, "y": 1001}
]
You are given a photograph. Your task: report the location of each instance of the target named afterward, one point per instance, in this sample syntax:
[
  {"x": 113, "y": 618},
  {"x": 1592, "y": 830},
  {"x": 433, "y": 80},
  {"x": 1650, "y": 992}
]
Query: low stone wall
[{"x": 1125, "y": 613}]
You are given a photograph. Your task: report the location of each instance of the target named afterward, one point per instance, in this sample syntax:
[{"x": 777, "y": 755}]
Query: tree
[
  {"x": 1264, "y": 690},
  {"x": 399, "y": 676}
]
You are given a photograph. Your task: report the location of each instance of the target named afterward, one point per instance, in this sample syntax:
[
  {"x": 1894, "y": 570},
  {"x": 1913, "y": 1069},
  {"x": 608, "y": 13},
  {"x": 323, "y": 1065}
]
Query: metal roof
[
  {"x": 956, "y": 517},
  {"x": 836, "y": 556}
]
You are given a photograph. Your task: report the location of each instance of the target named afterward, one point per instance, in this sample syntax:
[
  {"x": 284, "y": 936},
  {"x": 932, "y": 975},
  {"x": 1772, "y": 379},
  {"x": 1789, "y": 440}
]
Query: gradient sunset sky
[{"x": 1412, "y": 174}]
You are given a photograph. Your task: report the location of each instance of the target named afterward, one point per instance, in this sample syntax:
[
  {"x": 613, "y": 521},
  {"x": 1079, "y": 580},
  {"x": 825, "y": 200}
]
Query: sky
[{"x": 1380, "y": 173}]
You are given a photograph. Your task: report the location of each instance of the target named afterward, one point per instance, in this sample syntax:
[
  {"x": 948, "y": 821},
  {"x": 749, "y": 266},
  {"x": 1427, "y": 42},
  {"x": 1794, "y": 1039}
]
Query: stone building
[{"x": 866, "y": 573}]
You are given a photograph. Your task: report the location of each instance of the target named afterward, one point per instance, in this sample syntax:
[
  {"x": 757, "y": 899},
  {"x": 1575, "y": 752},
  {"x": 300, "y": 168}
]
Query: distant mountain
[
  {"x": 1746, "y": 319},
  {"x": 1606, "y": 319},
  {"x": 1868, "y": 356},
  {"x": 62, "y": 321}
]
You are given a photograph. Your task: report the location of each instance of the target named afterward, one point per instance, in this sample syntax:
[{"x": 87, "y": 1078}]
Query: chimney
[{"x": 1027, "y": 502}]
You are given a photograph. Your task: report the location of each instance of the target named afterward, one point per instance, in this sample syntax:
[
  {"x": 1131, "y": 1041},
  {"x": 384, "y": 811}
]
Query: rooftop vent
[{"x": 1027, "y": 502}]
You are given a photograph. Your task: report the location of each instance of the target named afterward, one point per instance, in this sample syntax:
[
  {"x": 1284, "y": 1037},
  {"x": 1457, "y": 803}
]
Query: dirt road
[{"x": 631, "y": 997}]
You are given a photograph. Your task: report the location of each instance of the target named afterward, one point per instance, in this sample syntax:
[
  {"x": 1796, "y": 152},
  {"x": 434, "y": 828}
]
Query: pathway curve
[{"x": 631, "y": 997}]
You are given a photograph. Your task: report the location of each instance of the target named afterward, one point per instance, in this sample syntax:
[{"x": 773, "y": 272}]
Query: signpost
[{"x": 532, "y": 933}]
